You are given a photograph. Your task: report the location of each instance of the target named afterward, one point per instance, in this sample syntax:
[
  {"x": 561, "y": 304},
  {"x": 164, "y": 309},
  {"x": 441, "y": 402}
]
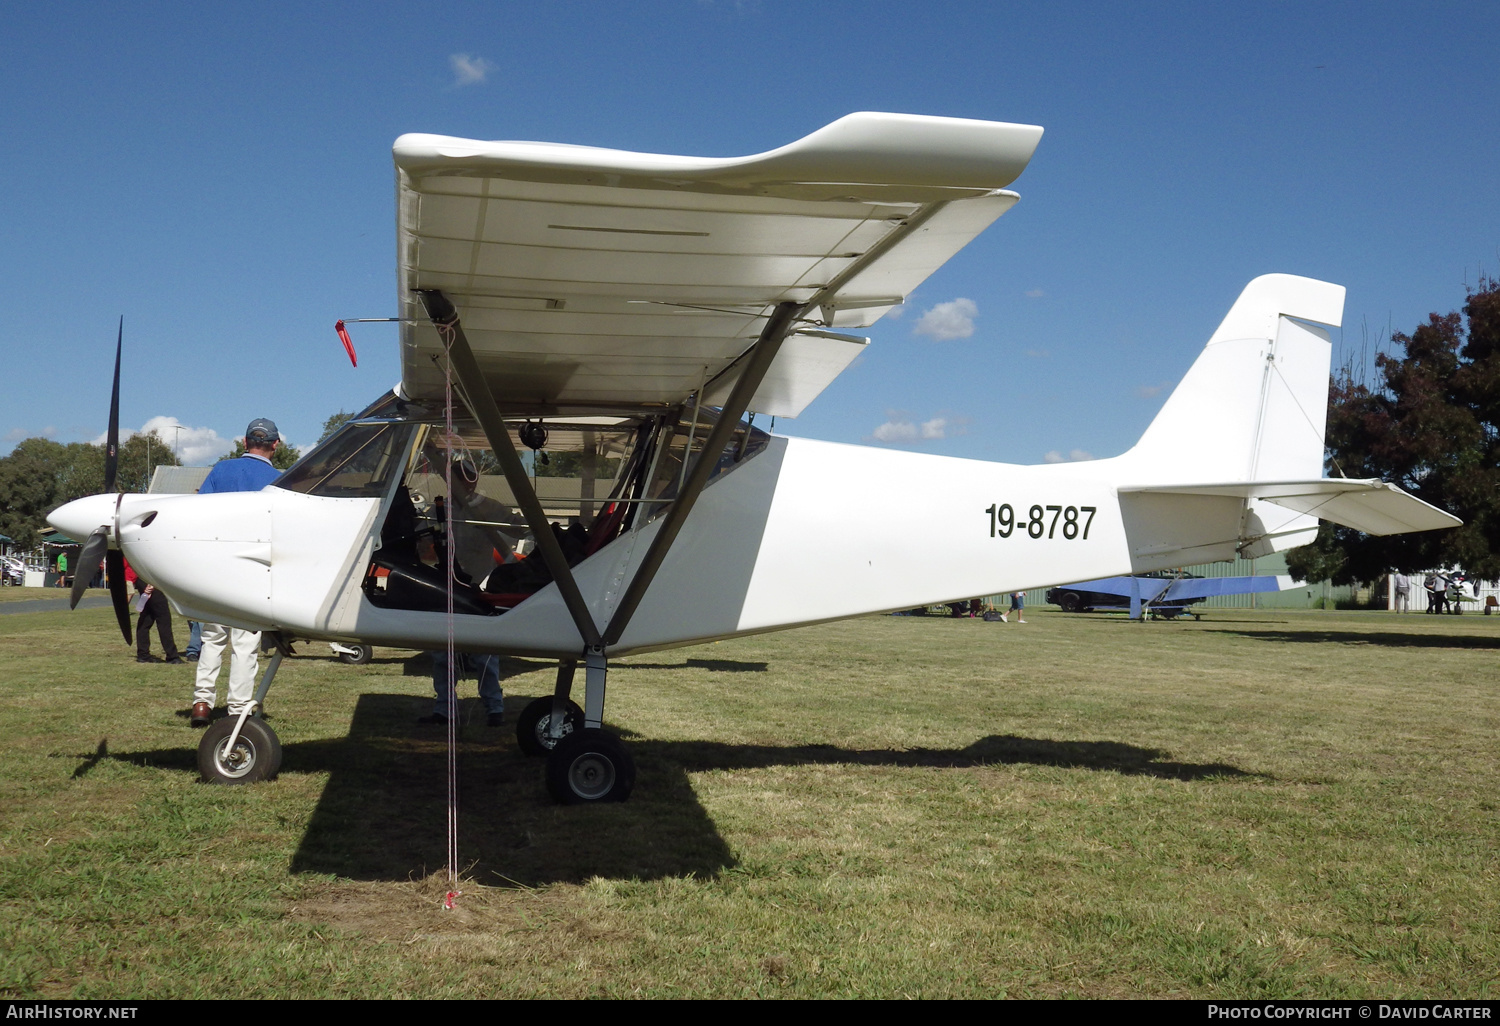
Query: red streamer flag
[{"x": 348, "y": 342}]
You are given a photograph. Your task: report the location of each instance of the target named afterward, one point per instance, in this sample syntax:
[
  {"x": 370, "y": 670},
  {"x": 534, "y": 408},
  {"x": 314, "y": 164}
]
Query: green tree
[
  {"x": 39, "y": 475},
  {"x": 1432, "y": 426},
  {"x": 28, "y": 487},
  {"x": 335, "y": 422},
  {"x": 140, "y": 455}
]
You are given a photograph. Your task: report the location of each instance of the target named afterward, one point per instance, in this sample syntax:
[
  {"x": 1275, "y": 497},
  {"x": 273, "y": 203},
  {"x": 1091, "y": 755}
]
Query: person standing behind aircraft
[
  {"x": 249, "y": 473},
  {"x": 154, "y": 611},
  {"x": 1403, "y": 593},
  {"x": 1017, "y": 606},
  {"x": 1455, "y": 593}
]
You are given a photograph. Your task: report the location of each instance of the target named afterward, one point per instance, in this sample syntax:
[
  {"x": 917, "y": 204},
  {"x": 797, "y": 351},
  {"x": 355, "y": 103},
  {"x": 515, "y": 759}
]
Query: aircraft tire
[
  {"x": 531, "y": 728},
  {"x": 588, "y": 767},
  {"x": 361, "y": 654},
  {"x": 257, "y": 752}
]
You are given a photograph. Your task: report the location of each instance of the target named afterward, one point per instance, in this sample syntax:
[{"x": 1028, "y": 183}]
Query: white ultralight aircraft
[{"x": 606, "y": 321}]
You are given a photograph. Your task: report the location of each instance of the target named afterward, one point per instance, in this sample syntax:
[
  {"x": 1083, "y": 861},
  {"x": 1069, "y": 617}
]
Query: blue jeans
[
  {"x": 195, "y": 639},
  {"x": 485, "y": 667}
]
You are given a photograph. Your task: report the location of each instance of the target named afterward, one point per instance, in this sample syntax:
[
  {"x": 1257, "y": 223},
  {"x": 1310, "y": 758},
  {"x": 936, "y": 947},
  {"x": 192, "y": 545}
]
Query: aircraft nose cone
[{"x": 79, "y": 518}]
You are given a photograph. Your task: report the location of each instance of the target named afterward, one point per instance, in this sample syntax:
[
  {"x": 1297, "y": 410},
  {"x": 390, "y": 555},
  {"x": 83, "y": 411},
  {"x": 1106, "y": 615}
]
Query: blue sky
[{"x": 221, "y": 176}]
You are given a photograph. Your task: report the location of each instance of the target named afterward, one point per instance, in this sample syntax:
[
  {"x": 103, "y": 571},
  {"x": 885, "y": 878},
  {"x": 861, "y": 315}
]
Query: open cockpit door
[{"x": 594, "y": 478}]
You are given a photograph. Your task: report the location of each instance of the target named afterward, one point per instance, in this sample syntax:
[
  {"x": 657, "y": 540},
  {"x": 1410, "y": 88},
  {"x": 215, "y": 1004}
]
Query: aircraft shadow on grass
[
  {"x": 383, "y": 812},
  {"x": 1390, "y": 639}
]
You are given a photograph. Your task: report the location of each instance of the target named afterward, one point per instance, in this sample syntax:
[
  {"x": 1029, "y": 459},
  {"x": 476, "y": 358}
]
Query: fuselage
[{"x": 802, "y": 532}]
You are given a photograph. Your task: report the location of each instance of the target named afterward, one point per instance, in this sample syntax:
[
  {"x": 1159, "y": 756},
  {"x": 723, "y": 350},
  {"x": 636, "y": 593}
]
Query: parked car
[{"x": 12, "y": 570}]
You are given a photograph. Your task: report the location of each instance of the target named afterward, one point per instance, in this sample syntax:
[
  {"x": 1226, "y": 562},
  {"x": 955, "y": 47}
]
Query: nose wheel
[
  {"x": 240, "y": 748},
  {"x": 354, "y": 655},
  {"x": 251, "y": 755}
]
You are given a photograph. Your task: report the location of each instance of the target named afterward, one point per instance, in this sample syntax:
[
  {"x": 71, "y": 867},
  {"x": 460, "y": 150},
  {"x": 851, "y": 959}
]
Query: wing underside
[{"x": 598, "y": 278}]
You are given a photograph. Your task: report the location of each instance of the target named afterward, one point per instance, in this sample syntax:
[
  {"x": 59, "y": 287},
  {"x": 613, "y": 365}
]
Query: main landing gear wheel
[
  {"x": 590, "y": 766},
  {"x": 531, "y": 729},
  {"x": 256, "y": 754},
  {"x": 357, "y": 654}
]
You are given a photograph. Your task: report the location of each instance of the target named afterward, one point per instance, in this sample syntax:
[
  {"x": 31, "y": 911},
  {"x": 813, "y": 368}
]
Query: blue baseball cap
[{"x": 263, "y": 431}]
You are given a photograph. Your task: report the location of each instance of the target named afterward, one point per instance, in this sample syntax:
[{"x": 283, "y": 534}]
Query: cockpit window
[
  {"x": 687, "y": 435},
  {"x": 359, "y": 462}
]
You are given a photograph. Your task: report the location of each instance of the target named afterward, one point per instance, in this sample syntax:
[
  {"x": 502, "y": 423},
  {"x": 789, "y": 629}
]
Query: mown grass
[
  {"x": 1257, "y": 805},
  {"x": 20, "y": 594}
]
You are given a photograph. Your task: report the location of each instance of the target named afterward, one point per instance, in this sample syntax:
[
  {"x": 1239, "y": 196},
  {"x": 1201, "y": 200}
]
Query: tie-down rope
[{"x": 446, "y": 332}]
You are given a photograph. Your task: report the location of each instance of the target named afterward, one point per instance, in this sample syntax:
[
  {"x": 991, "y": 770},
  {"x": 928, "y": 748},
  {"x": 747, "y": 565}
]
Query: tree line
[
  {"x": 1430, "y": 423},
  {"x": 39, "y": 475}
]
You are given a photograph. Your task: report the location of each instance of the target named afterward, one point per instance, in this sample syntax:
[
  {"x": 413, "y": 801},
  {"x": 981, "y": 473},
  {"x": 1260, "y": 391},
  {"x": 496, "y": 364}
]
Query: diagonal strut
[
  {"x": 445, "y": 318},
  {"x": 778, "y": 326}
]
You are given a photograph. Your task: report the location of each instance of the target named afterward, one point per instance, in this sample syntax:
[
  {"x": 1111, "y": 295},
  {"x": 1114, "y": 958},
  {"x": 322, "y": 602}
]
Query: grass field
[
  {"x": 18, "y": 594},
  {"x": 1256, "y": 805}
]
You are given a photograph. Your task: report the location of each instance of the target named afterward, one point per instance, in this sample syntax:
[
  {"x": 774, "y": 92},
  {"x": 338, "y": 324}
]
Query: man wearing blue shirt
[{"x": 249, "y": 473}]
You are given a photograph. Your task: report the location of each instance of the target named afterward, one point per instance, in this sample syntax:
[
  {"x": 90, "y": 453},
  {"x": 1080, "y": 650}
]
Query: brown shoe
[{"x": 201, "y": 714}]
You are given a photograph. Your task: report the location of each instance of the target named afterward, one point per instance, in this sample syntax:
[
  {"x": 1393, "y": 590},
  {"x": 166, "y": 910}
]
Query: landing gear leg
[
  {"x": 589, "y": 765},
  {"x": 241, "y": 749},
  {"x": 593, "y": 691}
]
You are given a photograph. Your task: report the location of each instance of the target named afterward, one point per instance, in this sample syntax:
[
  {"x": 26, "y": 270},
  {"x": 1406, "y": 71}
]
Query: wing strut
[
  {"x": 482, "y": 404},
  {"x": 778, "y": 327}
]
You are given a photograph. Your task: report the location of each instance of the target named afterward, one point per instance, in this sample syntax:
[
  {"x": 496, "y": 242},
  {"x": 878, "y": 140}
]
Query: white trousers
[{"x": 242, "y": 669}]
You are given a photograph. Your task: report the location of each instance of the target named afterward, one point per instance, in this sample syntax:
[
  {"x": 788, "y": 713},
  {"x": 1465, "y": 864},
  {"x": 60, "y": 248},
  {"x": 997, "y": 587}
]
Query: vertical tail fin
[{"x": 1253, "y": 407}]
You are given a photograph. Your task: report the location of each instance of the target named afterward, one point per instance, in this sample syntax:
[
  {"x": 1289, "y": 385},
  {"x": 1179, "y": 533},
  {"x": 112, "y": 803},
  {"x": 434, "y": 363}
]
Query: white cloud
[
  {"x": 900, "y": 429},
  {"x": 895, "y": 431},
  {"x": 196, "y": 446},
  {"x": 1035, "y": 293},
  {"x": 468, "y": 69},
  {"x": 18, "y": 434},
  {"x": 953, "y": 319},
  {"x": 1073, "y": 456}
]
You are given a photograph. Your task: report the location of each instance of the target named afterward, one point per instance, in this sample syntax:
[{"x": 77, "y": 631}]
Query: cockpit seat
[{"x": 414, "y": 585}]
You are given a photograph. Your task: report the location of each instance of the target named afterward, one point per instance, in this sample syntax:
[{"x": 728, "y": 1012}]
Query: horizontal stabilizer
[{"x": 1369, "y": 505}]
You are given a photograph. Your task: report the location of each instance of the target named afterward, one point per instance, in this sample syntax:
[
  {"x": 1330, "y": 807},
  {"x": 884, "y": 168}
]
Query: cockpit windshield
[{"x": 359, "y": 462}]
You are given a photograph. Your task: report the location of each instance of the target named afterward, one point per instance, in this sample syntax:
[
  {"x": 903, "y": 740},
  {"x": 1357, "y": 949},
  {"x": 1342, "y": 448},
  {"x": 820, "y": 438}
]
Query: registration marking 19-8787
[{"x": 1003, "y": 522}]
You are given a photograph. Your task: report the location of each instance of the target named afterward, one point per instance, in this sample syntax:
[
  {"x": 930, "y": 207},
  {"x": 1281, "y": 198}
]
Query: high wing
[{"x": 597, "y": 278}]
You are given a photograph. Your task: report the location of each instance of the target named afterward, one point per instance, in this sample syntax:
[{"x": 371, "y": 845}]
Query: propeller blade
[
  {"x": 88, "y": 561},
  {"x": 112, "y": 443},
  {"x": 114, "y": 564}
]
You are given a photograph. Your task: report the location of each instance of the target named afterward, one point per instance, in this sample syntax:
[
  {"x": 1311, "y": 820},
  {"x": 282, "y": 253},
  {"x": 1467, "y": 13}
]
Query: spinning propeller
[{"x": 97, "y": 543}]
